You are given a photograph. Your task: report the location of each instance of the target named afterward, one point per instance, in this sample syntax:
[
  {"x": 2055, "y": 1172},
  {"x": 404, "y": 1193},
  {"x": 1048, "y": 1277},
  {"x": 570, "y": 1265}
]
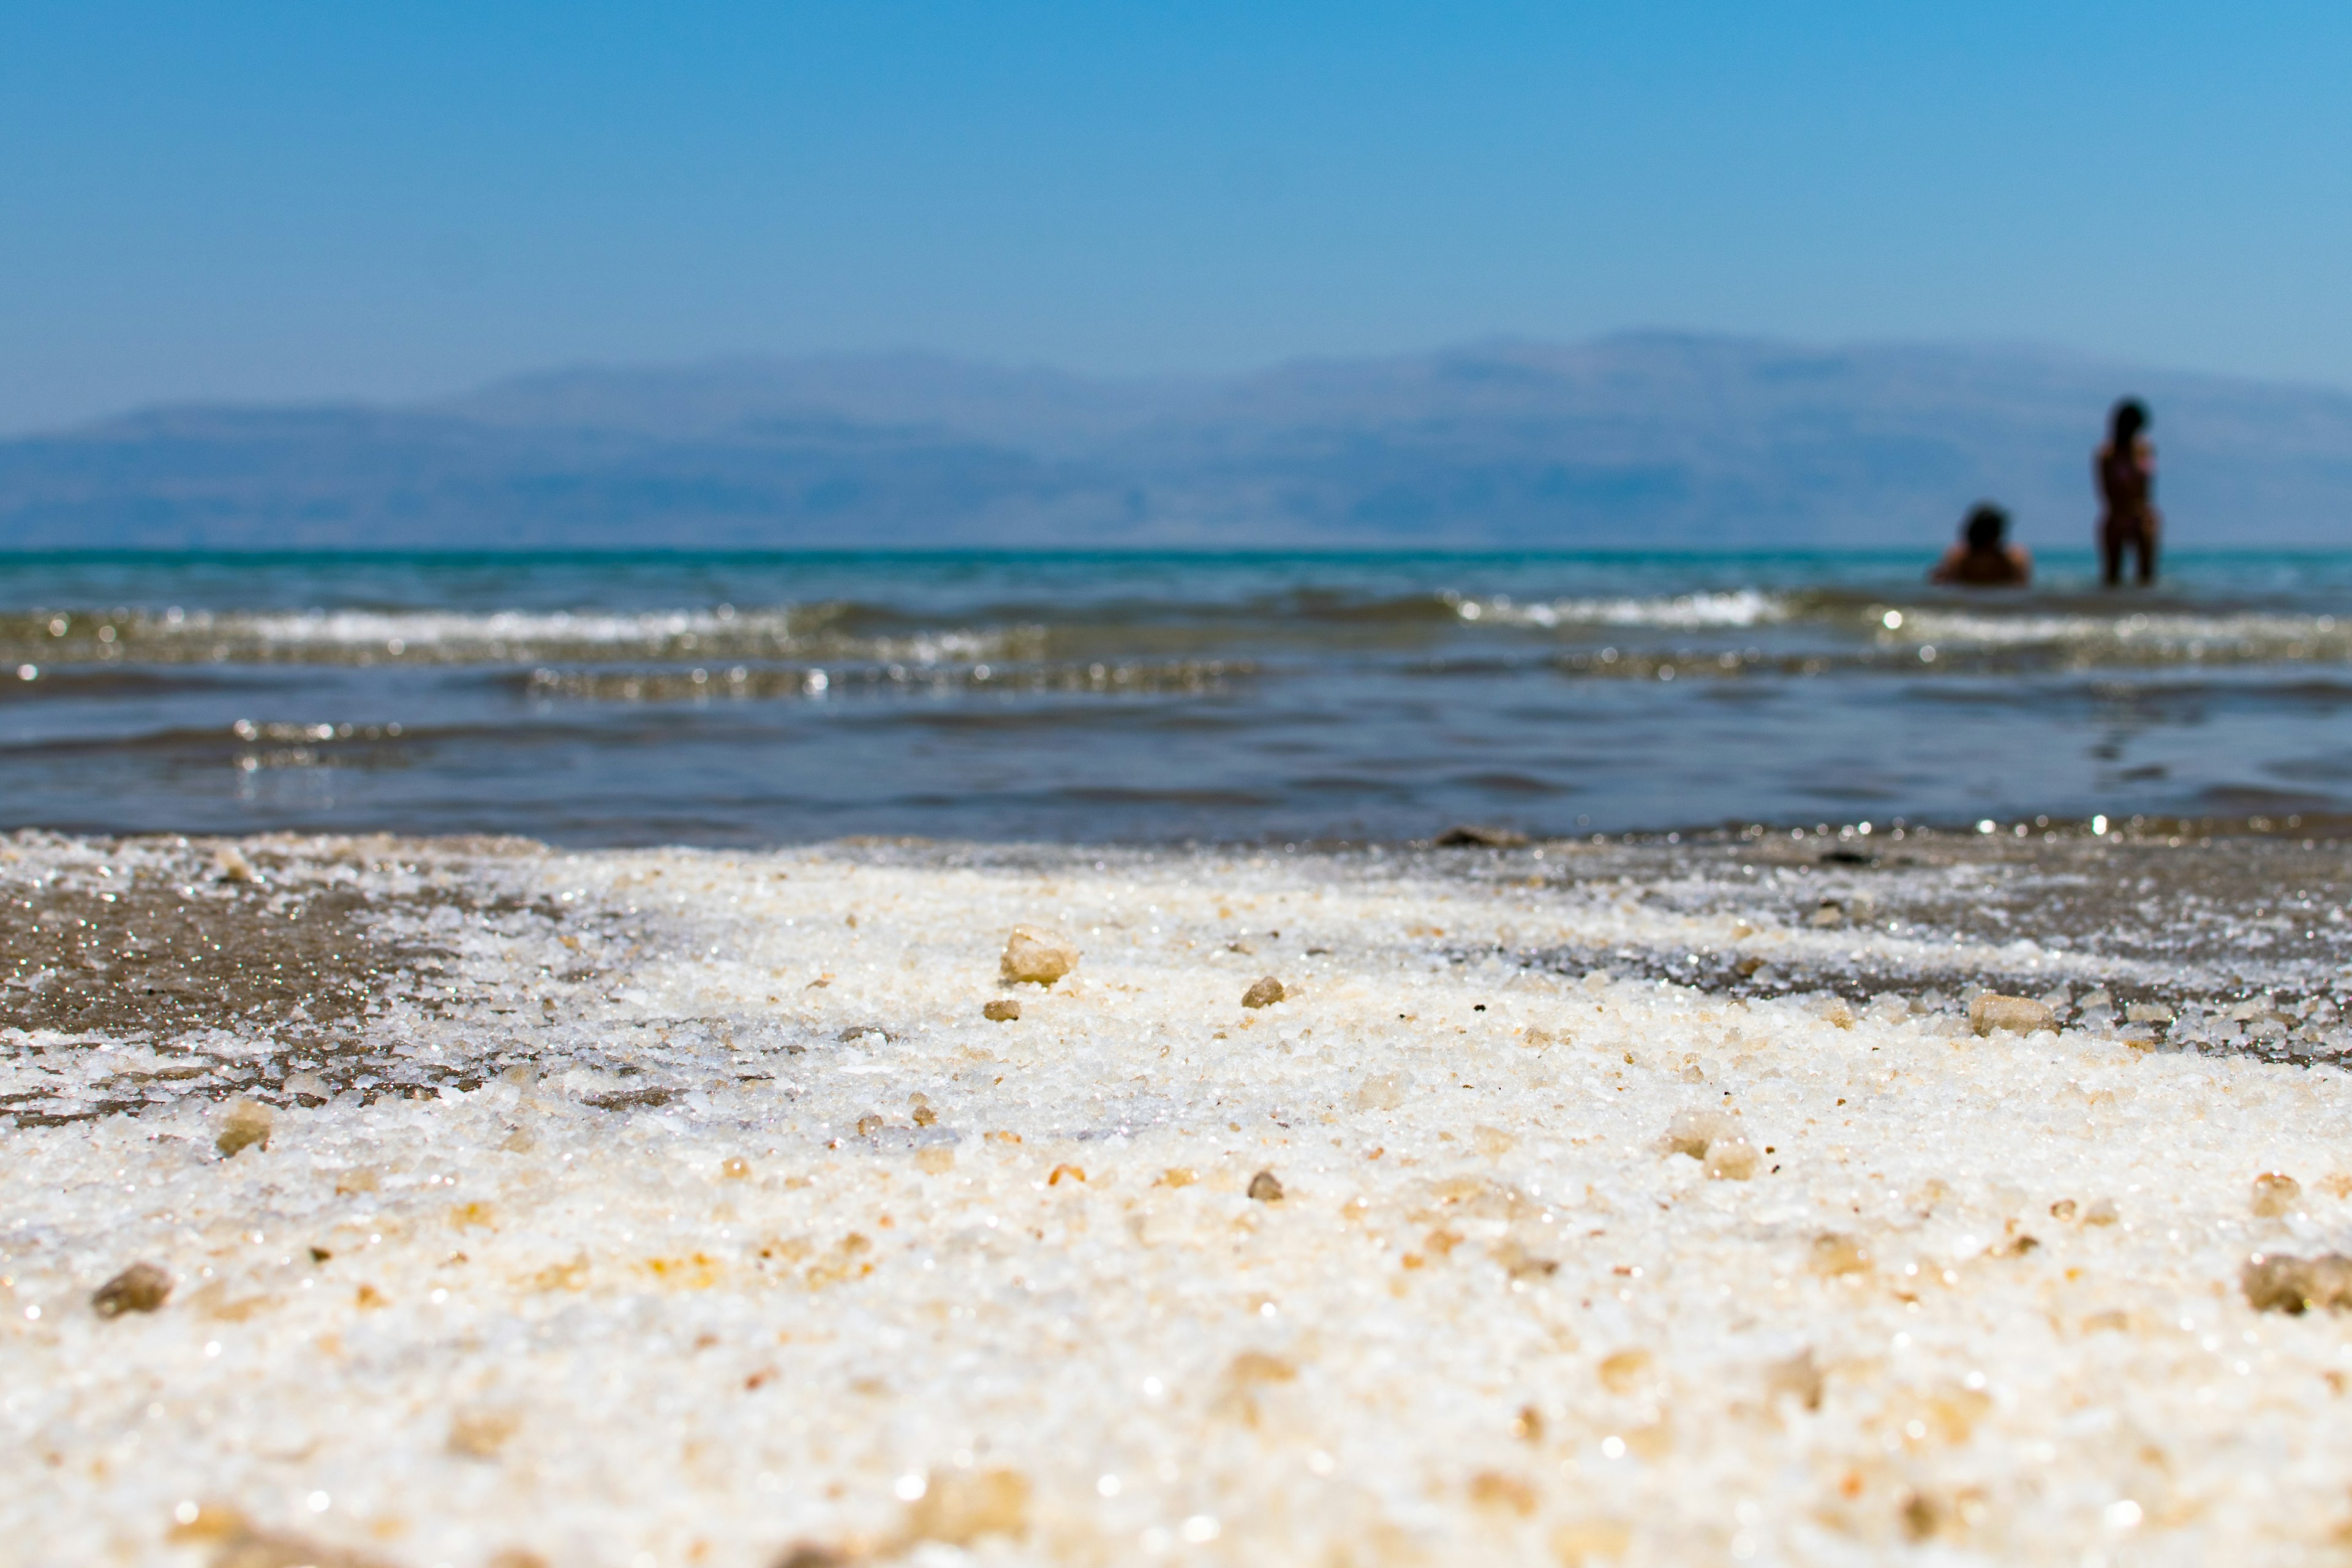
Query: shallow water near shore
[{"x": 760, "y": 700}]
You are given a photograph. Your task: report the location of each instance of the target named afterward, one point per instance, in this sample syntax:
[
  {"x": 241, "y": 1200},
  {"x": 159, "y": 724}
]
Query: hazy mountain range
[{"x": 1644, "y": 440}]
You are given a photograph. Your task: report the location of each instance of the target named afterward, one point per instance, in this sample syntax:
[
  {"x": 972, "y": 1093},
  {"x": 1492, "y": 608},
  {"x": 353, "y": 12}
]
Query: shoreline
[{"x": 682, "y": 1206}]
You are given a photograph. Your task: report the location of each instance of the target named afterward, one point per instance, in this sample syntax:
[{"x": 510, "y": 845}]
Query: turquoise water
[{"x": 755, "y": 699}]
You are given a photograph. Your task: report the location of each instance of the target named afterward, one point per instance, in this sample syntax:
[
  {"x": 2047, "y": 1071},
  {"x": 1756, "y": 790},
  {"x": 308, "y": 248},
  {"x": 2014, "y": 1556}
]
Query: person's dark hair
[
  {"x": 1986, "y": 526},
  {"x": 2124, "y": 426}
]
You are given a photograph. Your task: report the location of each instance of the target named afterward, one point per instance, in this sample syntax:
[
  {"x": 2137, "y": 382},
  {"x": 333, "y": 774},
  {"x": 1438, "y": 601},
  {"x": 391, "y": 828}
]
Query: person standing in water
[
  {"x": 2125, "y": 470},
  {"x": 1984, "y": 558}
]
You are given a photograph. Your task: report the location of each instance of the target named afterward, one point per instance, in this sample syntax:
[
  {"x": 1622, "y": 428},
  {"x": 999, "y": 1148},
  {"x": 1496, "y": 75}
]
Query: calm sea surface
[{"x": 758, "y": 698}]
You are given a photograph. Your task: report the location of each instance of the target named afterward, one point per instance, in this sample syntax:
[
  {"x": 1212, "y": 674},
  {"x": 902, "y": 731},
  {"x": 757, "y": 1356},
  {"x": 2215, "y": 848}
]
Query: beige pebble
[
  {"x": 1503, "y": 1493},
  {"x": 1034, "y": 956},
  {"x": 1991, "y": 1013},
  {"x": 959, "y": 1507},
  {"x": 243, "y": 1123},
  {"x": 481, "y": 1434},
  {"x": 1589, "y": 1540},
  {"x": 811, "y": 1554},
  {"x": 142, "y": 1287},
  {"x": 1622, "y": 1372},
  {"x": 1834, "y": 1252},
  {"x": 1690, "y": 1131},
  {"x": 2282, "y": 1284},
  {"x": 1796, "y": 1377},
  {"x": 1004, "y": 1010},
  {"x": 1492, "y": 1141},
  {"x": 1732, "y": 1159},
  {"x": 2275, "y": 1194},
  {"x": 1265, "y": 1187},
  {"x": 1265, "y": 992}
]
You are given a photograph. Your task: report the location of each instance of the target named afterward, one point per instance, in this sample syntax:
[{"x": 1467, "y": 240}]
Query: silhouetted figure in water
[
  {"x": 2126, "y": 467},
  {"x": 1984, "y": 558}
]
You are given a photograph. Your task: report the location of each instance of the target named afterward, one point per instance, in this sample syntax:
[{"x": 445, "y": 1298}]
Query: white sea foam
[
  {"x": 1490, "y": 1318},
  {"x": 2142, "y": 635},
  {"x": 339, "y": 635},
  {"x": 1736, "y": 607}
]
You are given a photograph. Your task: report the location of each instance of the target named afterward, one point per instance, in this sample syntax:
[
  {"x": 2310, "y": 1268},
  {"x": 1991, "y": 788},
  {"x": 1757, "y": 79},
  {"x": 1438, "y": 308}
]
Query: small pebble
[
  {"x": 2275, "y": 1194},
  {"x": 1796, "y": 1377},
  {"x": 1691, "y": 1131},
  {"x": 1622, "y": 1372},
  {"x": 1732, "y": 1159},
  {"x": 1265, "y": 1188},
  {"x": 142, "y": 1287},
  {"x": 959, "y": 1507},
  {"x": 810, "y": 1554},
  {"x": 1004, "y": 1010},
  {"x": 2281, "y": 1284},
  {"x": 243, "y": 1123},
  {"x": 1492, "y": 1141},
  {"x": 1479, "y": 835},
  {"x": 1991, "y": 1013},
  {"x": 1265, "y": 993},
  {"x": 1833, "y": 1252},
  {"x": 1034, "y": 956}
]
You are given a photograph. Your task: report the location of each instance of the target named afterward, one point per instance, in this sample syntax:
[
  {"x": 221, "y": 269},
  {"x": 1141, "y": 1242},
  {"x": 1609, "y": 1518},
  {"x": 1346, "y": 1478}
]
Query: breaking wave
[{"x": 363, "y": 636}]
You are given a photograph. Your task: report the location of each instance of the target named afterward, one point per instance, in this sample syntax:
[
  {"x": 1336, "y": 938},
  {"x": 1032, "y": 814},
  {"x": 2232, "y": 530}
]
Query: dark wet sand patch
[
  {"x": 2162, "y": 919},
  {"x": 174, "y": 945}
]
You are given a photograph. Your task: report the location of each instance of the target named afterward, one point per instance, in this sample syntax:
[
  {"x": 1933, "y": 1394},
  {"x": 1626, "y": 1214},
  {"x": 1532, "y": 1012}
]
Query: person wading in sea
[
  {"x": 1984, "y": 558},
  {"x": 2126, "y": 468}
]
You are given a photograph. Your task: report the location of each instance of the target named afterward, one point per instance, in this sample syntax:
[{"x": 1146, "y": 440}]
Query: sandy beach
[{"x": 1647, "y": 1203}]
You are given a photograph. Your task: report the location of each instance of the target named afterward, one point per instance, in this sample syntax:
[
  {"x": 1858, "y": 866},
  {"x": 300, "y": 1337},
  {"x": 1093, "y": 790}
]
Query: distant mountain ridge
[{"x": 1659, "y": 439}]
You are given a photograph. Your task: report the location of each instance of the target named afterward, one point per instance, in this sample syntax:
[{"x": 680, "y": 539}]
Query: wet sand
[{"x": 1645, "y": 1202}]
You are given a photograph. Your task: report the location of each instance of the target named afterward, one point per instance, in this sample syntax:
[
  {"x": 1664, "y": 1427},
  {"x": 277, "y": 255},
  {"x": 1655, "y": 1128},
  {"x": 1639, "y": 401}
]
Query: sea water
[{"x": 744, "y": 699}]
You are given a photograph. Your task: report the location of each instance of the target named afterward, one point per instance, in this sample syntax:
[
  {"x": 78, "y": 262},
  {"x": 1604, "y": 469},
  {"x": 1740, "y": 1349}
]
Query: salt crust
[{"x": 1489, "y": 1320}]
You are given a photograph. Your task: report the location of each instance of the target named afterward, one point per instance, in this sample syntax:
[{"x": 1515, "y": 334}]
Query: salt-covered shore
[{"x": 674, "y": 1207}]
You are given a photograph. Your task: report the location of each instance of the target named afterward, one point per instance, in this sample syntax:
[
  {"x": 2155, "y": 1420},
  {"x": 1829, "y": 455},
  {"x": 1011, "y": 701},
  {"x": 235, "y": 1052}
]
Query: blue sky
[{"x": 294, "y": 200}]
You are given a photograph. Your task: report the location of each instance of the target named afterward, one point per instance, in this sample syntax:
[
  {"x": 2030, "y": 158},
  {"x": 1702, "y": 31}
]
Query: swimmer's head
[
  {"x": 2130, "y": 418},
  {"x": 1986, "y": 527}
]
